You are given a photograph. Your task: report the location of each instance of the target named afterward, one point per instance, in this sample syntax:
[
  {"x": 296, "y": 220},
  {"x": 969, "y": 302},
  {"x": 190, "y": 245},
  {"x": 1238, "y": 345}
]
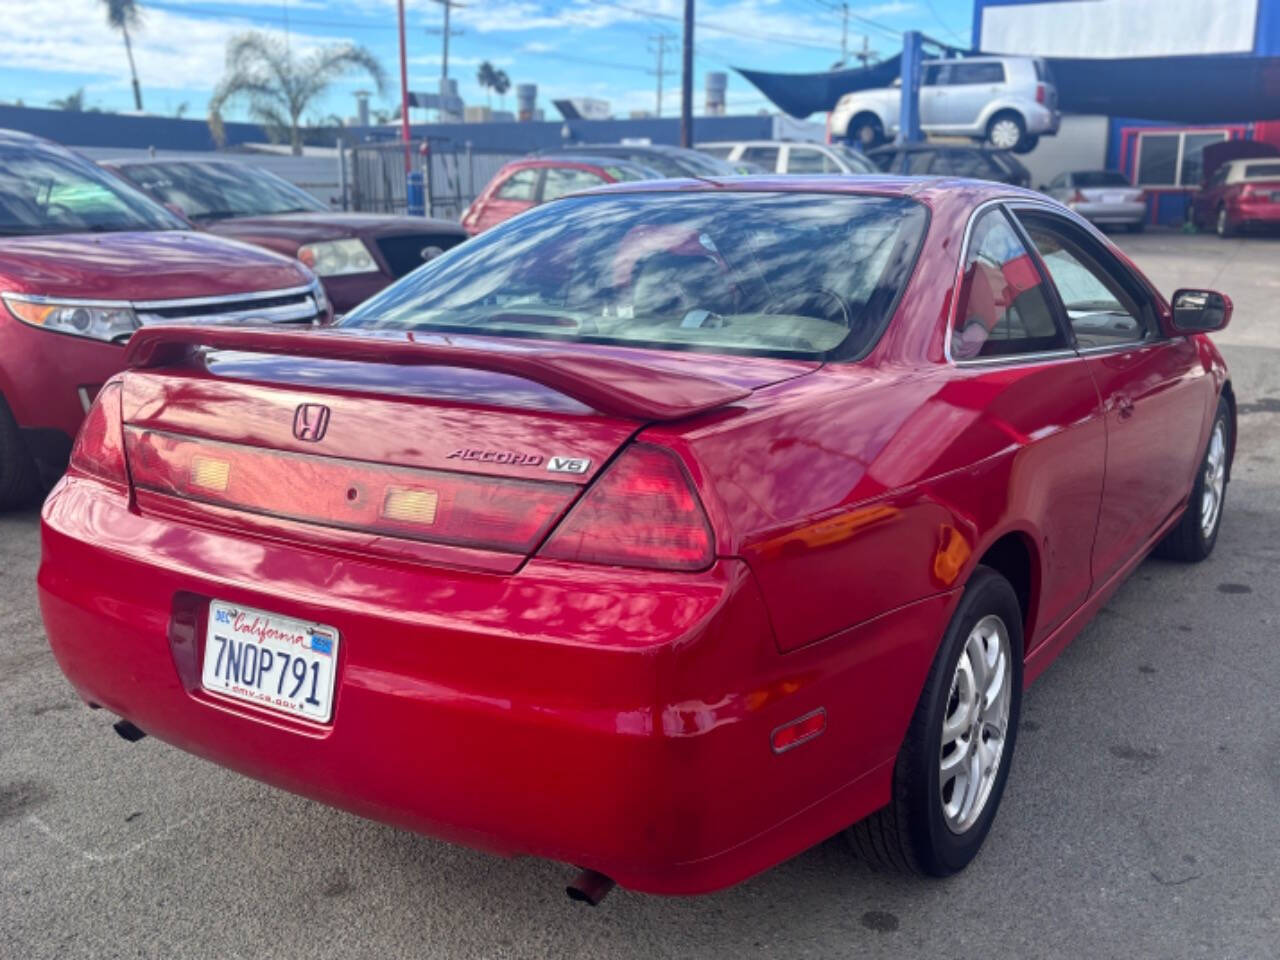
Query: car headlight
[
  {"x": 101, "y": 321},
  {"x": 336, "y": 258}
]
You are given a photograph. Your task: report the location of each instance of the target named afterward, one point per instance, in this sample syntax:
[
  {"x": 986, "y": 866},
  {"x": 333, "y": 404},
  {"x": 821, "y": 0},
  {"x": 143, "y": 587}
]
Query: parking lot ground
[{"x": 1142, "y": 818}]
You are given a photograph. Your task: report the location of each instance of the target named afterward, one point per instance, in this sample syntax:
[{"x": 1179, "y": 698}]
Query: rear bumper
[
  {"x": 1112, "y": 212},
  {"x": 611, "y": 719},
  {"x": 1257, "y": 212},
  {"x": 1041, "y": 121}
]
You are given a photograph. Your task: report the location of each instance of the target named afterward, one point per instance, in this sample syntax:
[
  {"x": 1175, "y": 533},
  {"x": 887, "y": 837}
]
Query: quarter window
[
  {"x": 1101, "y": 311},
  {"x": 1003, "y": 309},
  {"x": 519, "y": 186}
]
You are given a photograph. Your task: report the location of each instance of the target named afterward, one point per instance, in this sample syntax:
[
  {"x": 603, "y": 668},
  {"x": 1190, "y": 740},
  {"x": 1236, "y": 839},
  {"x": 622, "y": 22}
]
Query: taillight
[
  {"x": 1041, "y": 93},
  {"x": 99, "y": 448},
  {"x": 641, "y": 512},
  {"x": 1076, "y": 197}
]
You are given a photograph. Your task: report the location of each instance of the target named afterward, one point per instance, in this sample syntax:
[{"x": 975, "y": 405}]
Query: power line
[
  {"x": 661, "y": 39},
  {"x": 703, "y": 25}
]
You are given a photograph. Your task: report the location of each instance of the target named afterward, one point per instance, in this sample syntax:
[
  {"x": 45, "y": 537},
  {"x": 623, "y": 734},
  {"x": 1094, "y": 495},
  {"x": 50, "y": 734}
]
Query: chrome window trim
[{"x": 1063, "y": 353}]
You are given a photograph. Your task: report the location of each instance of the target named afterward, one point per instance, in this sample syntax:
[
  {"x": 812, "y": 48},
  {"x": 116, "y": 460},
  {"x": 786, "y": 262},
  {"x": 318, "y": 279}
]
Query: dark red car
[
  {"x": 666, "y": 530},
  {"x": 354, "y": 254},
  {"x": 84, "y": 261},
  {"x": 1241, "y": 187},
  {"x": 523, "y": 184}
]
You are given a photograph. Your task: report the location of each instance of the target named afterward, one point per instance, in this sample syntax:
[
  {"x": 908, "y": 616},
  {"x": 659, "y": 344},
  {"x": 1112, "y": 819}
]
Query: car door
[
  {"x": 517, "y": 193},
  {"x": 933, "y": 93},
  {"x": 1011, "y": 341},
  {"x": 972, "y": 84},
  {"x": 1156, "y": 395}
]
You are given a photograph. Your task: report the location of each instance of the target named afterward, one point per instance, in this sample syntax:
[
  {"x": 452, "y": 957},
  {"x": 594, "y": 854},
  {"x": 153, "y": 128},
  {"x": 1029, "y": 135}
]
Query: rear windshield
[
  {"x": 1043, "y": 73},
  {"x": 217, "y": 191},
  {"x": 1099, "y": 178},
  {"x": 788, "y": 275},
  {"x": 1261, "y": 170},
  {"x": 44, "y": 191}
]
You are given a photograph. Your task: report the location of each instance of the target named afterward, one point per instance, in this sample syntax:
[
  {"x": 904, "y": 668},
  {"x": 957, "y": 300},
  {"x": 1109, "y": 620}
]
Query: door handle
[{"x": 1124, "y": 405}]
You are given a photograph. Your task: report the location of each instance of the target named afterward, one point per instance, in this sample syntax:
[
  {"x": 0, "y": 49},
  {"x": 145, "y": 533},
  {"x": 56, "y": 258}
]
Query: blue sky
[{"x": 596, "y": 48}]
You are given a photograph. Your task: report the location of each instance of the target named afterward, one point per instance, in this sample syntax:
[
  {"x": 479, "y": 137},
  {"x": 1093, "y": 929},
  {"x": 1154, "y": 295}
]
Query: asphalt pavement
[{"x": 1142, "y": 818}]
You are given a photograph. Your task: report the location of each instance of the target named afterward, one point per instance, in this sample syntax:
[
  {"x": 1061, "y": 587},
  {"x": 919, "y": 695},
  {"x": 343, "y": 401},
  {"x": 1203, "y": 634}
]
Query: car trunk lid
[{"x": 364, "y": 442}]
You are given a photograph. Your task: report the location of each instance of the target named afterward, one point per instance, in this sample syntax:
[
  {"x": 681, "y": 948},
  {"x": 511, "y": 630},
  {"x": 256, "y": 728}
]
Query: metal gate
[{"x": 454, "y": 174}]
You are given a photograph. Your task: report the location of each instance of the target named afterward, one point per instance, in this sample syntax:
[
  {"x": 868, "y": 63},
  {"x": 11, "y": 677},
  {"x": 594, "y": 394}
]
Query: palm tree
[
  {"x": 487, "y": 77},
  {"x": 501, "y": 84},
  {"x": 278, "y": 86},
  {"x": 121, "y": 15},
  {"x": 73, "y": 102}
]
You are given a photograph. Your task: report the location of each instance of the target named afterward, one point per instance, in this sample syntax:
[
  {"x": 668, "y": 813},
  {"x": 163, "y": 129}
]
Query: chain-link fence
[{"x": 454, "y": 173}]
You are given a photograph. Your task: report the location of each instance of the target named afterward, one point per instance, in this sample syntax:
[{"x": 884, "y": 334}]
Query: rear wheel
[
  {"x": 19, "y": 480},
  {"x": 1027, "y": 143},
  {"x": 866, "y": 131},
  {"x": 1006, "y": 130},
  {"x": 1193, "y": 539},
  {"x": 1223, "y": 224},
  {"x": 954, "y": 761}
]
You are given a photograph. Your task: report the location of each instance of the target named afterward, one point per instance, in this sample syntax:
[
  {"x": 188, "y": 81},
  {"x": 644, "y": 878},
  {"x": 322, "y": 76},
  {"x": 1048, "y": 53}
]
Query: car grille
[
  {"x": 403, "y": 252},
  {"x": 294, "y": 305}
]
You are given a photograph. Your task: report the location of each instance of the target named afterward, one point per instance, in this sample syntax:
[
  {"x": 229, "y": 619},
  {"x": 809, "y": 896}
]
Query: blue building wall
[{"x": 87, "y": 129}]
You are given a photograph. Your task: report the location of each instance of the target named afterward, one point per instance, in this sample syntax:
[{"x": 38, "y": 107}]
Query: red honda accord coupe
[{"x": 666, "y": 530}]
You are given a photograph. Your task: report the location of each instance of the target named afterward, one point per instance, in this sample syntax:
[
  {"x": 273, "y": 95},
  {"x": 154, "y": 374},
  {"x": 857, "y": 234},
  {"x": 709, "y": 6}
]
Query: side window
[
  {"x": 807, "y": 160},
  {"x": 966, "y": 73},
  {"x": 1101, "y": 310},
  {"x": 767, "y": 157},
  {"x": 919, "y": 162},
  {"x": 562, "y": 180},
  {"x": 1003, "y": 308},
  {"x": 935, "y": 74},
  {"x": 519, "y": 186}
]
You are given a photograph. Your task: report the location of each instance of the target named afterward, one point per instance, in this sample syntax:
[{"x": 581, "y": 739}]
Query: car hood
[
  {"x": 151, "y": 265},
  {"x": 314, "y": 227}
]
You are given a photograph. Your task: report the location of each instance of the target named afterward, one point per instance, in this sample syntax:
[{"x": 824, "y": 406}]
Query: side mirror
[{"x": 1200, "y": 311}]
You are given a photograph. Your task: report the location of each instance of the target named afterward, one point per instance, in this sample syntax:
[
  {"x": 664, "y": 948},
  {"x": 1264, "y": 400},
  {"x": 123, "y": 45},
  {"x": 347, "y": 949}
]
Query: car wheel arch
[
  {"x": 1229, "y": 394},
  {"x": 1015, "y": 555}
]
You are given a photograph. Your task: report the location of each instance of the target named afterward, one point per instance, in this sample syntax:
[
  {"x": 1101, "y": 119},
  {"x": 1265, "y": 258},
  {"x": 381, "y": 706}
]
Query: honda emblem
[{"x": 311, "y": 421}]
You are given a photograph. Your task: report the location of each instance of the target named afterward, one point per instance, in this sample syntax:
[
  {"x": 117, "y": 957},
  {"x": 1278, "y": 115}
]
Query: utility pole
[
  {"x": 404, "y": 91},
  {"x": 866, "y": 56},
  {"x": 844, "y": 33},
  {"x": 445, "y": 33},
  {"x": 661, "y": 39},
  {"x": 686, "y": 79}
]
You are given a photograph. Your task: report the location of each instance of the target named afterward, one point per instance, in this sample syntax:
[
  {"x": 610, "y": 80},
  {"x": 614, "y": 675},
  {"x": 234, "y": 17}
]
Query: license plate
[
  {"x": 1113, "y": 198},
  {"x": 271, "y": 661}
]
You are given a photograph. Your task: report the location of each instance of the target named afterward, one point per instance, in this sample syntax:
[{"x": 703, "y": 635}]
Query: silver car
[
  {"x": 1009, "y": 102},
  {"x": 1104, "y": 197},
  {"x": 784, "y": 156}
]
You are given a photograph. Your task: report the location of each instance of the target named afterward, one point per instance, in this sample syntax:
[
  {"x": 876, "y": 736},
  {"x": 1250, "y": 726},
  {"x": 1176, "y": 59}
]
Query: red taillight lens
[
  {"x": 641, "y": 512},
  {"x": 433, "y": 506},
  {"x": 99, "y": 448},
  {"x": 1041, "y": 93}
]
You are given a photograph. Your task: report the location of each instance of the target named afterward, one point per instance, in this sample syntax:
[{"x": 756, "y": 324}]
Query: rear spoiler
[{"x": 606, "y": 383}]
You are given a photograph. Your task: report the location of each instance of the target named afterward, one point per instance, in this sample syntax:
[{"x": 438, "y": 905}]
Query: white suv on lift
[{"x": 1007, "y": 101}]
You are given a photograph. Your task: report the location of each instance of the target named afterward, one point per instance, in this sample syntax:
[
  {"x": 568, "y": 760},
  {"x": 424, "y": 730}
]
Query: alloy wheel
[
  {"x": 1215, "y": 480},
  {"x": 975, "y": 724},
  {"x": 1005, "y": 134}
]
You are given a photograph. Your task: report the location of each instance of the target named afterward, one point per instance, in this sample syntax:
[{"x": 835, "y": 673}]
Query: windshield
[
  {"x": 788, "y": 274},
  {"x": 216, "y": 191},
  {"x": 1099, "y": 178},
  {"x": 45, "y": 191}
]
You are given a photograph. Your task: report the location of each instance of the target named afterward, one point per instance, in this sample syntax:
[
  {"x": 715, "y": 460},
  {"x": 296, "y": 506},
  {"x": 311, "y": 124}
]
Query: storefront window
[{"x": 1173, "y": 159}]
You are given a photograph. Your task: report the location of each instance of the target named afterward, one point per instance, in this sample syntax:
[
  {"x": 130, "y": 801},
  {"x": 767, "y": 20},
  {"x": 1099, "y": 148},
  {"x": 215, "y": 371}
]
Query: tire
[
  {"x": 865, "y": 131},
  {"x": 914, "y": 834},
  {"x": 1006, "y": 130},
  {"x": 1193, "y": 539},
  {"x": 1028, "y": 143},
  {"x": 1223, "y": 225},
  {"x": 19, "y": 480}
]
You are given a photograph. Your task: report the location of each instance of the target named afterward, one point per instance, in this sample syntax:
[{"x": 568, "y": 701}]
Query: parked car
[
  {"x": 85, "y": 261},
  {"x": 668, "y": 161},
  {"x": 1241, "y": 188},
  {"x": 646, "y": 498},
  {"x": 781, "y": 156},
  {"x": 355, "y": 254},
  {"x": 947, "y": 160},
  {"x": 1008, "y": 102},
  {"x": 1104, "y": 197},
  {"x": 523, "y": 184}
]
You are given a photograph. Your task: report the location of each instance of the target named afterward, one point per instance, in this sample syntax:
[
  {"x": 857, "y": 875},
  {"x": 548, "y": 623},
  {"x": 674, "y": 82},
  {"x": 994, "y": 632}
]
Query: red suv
[
  {"x": 84, "y": 261},
  {"x": 523, "y": 184}
]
